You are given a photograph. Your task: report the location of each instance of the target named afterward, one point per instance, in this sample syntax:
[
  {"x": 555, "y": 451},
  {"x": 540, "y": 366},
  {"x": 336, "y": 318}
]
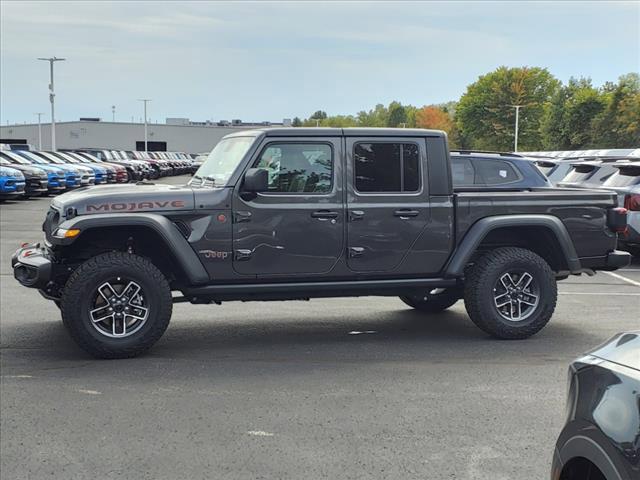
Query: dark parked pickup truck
[{"x": 283, "y": 214}]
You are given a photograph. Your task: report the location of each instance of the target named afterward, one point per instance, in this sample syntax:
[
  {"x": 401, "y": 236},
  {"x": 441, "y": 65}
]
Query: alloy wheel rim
[
  {"x": 516, "y": 295},
  {"x": 119, "y": 308}
]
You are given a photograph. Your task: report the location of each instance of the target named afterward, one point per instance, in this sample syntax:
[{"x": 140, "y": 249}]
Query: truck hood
[{"x": 125, "y": 198}]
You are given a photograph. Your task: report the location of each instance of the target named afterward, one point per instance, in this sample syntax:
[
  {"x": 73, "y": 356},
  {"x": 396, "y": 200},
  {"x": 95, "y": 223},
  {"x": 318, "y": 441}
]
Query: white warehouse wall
[{"x": 121, "y": 136}]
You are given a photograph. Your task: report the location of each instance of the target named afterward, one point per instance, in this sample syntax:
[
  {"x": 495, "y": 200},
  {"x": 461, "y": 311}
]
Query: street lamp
[
  {"x": 39, "y": 114},
  {"x": 515, "y": 140},
  {"x": 113, "y": 113},
  {"x": 145, "y": 100},
  {"x": 52, "y": 99}
]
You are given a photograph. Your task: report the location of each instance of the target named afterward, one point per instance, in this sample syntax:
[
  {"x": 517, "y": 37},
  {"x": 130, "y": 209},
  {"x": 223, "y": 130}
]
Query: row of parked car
[
  {"x": 25, "y": 173},
  {"x": 615, "y": 173},
  {"x": 509, "y": 171}
]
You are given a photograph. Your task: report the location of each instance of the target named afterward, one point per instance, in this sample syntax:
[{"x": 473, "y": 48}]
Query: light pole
[
  {"x": 52, "y": 96},
  {"x": 145, "y": 100},
  {"x": 39, "y": 114},
  {"x": 113, "y": 113},
  {"x": 515, "y": 139}
]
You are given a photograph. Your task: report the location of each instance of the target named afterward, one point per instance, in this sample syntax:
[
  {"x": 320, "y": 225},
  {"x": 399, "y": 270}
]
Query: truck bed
[{"x": 582, "y": 211}]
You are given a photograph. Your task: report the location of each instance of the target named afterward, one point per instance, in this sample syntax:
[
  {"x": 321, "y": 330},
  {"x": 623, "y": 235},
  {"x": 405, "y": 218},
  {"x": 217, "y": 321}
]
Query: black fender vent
[{"x": 185, "y": 230}]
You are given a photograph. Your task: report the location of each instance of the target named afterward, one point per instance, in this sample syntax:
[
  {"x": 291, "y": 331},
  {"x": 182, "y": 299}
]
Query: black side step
[{"x": 297, "y": 290}]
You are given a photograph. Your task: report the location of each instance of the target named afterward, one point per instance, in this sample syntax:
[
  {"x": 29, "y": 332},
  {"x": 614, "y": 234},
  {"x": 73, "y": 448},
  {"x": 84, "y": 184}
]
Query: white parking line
[
  {"x": 613, "y": 294},
  {"x": 624, "y": 279}
]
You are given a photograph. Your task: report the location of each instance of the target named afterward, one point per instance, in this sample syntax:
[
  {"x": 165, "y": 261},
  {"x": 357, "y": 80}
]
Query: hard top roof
[{"x": 338, "y": 132}]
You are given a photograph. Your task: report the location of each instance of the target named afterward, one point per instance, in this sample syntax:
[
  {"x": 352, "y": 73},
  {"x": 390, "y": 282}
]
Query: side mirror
[{"x": 256, "y": 180}]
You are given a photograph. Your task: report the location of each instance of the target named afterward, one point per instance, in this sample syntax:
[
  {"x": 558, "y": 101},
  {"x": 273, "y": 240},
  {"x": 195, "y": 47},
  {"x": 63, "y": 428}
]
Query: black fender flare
[
  {"x": 173, "y": 239},
  {"x": 583, "y": 446},
  {"x": 480, "y": 229}
]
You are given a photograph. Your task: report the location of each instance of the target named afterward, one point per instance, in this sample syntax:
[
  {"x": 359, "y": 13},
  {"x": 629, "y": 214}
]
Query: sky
[{"x": 260, "y": 61}]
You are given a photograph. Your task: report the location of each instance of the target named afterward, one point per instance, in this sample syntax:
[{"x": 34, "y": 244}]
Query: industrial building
[{"x": 177, "y": 135}]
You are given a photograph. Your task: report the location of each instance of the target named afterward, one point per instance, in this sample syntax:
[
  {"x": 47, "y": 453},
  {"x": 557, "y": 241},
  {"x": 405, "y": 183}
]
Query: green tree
[
  {"x": 485, "y": 114},
  {"x": 397, "y": 115},
  {"x": 377, "y": 117},
  {"x": 569, "y": 116},
  {"x": 296, "y": 122},
  {"x": 318, "y": 115},
  {"x": 617, "y": 125}
]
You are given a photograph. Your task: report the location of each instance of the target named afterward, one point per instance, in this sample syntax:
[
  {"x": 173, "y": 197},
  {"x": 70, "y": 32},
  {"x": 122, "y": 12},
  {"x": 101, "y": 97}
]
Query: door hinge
[
  {"x": 355, "y": 252},
  {"x": 242, "y": 254}
]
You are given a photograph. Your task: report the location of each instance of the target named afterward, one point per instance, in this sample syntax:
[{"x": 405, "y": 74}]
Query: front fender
[{"x": 161, "y": 225}]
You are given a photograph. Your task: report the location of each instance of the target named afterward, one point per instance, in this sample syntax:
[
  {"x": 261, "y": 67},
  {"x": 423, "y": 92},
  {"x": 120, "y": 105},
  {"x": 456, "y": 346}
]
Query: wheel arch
[
  {"x": 151, "y": 228},
  {"x": 521, "y": 231},
  {"x": 582, "y": 447}
]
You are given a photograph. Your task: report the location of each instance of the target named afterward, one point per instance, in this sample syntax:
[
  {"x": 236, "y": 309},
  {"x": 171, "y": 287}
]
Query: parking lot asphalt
[{"x": 337, "y": 388}]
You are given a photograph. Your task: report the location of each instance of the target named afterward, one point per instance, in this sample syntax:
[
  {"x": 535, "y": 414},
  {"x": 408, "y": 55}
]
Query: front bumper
[
  {"x": 37, "y": 185},
  {"x": 32, "y": 266}
]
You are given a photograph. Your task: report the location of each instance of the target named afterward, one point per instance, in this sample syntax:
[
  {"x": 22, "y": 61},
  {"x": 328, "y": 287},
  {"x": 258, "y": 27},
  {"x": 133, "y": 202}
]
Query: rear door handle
[
  {"x": 406, "y": 213},
  {"x": 355, "y": 215},
  {"x": 324, "y": 215}
]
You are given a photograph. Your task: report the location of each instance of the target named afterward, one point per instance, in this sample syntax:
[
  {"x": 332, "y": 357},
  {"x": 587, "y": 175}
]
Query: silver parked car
[{"x": 626, "y": 183}]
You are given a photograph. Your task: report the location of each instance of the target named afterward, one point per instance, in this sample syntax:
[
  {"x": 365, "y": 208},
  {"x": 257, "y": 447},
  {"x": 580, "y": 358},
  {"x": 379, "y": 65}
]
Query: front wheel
[
  {"x": 116, "y": 305},
  {"x": 433, "y": 301},
  {"x": 510, "y": 293}
]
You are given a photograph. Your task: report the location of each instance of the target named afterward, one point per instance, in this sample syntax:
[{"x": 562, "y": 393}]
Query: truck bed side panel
[{"x": 583, "y": 212}]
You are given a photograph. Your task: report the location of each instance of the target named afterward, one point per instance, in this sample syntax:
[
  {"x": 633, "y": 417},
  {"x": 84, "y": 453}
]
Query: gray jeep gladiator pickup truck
[{"x": 299, "y": 213}]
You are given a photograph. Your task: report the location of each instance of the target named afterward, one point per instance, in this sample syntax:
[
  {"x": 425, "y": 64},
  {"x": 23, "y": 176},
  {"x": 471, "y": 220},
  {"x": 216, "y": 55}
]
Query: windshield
[
  {"x": 223, "y": 160},
  {"x": 35, "y": 158},
  {"x": 15, "y": 158}
]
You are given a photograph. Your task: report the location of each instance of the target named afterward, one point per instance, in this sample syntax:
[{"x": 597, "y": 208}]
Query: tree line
[{"x": 552, "y": 115}]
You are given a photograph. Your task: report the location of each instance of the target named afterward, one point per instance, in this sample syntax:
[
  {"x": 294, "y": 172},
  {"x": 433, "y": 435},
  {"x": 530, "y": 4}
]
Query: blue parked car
[
  {"x": 71, "y": 174},
  {"x": 12, "y": 183},
  {"x": 55, "y": 175},
  {"x": 99, "y": 171}
]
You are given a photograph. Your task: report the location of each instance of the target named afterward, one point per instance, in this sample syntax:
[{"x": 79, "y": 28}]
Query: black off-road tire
[
  {"x": 480, "y": 281},
  {"x": 81, "y": 289},
  {"x": 433, "y": 303}
]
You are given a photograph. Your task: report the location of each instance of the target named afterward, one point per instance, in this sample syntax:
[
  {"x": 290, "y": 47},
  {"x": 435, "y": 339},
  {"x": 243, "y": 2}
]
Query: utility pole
[
  {"x": 113, "y": 113},
  {"x": 39, "y": 114},
  {"x": 145, "y": 100},
  {"x": 52, "y": 96},
  {"x": 515, "y": 140}
]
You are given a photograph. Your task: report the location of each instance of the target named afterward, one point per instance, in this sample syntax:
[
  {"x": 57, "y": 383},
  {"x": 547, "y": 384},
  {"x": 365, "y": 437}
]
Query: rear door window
[{"x": 386, "y": 167}]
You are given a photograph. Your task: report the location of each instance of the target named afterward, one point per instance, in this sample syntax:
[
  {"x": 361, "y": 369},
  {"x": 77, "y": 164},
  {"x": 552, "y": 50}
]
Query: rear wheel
[
  {"x": 510, "y": 293},
  {"x": 433, "y": 301},
  {"x": 116, "y": 305}
]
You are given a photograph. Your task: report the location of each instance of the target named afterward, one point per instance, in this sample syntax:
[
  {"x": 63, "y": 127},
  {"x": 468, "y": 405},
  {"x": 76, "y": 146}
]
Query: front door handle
[
  {"x": 324, "y": 215},
  {"x": 406, "y": 213}
]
